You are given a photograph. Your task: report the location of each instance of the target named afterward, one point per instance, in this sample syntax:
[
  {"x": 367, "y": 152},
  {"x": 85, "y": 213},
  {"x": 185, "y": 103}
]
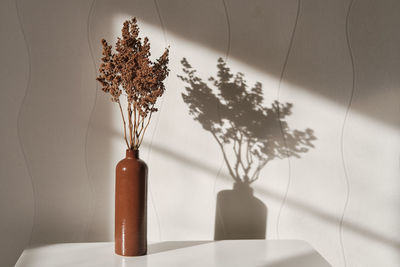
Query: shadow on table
[
  {"x": 172, "y": 245},
  {"x": 306, "y": 259}
]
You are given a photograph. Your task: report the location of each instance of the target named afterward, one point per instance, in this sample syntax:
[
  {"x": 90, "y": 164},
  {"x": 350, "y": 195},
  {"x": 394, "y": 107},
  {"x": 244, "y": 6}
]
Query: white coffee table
[{"x": 230, "y": 253}]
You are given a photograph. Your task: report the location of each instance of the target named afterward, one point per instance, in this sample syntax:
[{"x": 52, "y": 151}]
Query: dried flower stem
[
  {"x": 134, "y": 114},
  {"x": 148, "y": 121},
  {"x": 130, "y": 125},
  {"x": 123, "y": 120}
]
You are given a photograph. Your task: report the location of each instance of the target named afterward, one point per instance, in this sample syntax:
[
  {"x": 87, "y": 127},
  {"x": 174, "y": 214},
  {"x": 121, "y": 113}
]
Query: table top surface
[{"x": 248, "y": 253}]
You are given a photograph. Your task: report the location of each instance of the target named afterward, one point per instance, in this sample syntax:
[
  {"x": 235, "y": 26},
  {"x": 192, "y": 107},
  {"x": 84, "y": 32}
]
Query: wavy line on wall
[
  {"x": 28, "y": 84},
  {"x": 162, "y": 99},
  {"x": 228, "y": 25},
  {"x": 161, "y": 21},
  {"x": 345, "y": 172},
  {"x": 228, "y": 48},
  {"x": 156, "y": 123},
  {"x": 279, "y": 116},
  {"x": 92, "y": 189}
]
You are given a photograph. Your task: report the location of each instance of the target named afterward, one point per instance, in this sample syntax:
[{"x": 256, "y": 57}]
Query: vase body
[{"x": 131, "y": 206}]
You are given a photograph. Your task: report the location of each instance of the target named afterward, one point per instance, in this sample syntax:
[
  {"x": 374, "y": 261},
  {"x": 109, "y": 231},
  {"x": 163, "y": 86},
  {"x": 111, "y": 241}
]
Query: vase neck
[
  {"x": 132, "y": 153},
  {"x": 243, "y": 188}
]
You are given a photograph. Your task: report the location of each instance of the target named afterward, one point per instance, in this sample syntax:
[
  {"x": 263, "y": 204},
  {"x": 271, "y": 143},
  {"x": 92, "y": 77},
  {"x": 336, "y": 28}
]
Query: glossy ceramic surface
[{"x": 131, "y": 206}]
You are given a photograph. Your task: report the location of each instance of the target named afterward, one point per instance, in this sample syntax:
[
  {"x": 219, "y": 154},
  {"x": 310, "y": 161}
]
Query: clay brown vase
[{"x": 131, "y": 206}]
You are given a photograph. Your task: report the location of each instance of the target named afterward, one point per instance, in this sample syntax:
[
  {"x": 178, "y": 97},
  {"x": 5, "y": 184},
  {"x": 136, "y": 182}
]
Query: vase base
[{"x": 131, "y": 254}]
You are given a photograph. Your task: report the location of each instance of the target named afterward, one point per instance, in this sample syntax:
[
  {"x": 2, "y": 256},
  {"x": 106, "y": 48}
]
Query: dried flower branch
[
  {"x": 129, "y": 69},
  {"x": 246, "y": 130}
]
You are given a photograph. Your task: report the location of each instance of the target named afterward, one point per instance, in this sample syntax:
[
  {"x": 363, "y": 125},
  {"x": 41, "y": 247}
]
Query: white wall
[{"x": 61, "y": 138}]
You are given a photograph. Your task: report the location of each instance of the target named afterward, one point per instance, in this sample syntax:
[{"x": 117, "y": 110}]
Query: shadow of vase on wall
[
  {"x": 249, "y": 135},
  {"x": 239, "y": 214}
]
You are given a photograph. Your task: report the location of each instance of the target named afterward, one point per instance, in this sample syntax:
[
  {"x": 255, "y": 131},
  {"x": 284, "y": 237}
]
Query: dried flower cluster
[{"x": 130, "y": 70}]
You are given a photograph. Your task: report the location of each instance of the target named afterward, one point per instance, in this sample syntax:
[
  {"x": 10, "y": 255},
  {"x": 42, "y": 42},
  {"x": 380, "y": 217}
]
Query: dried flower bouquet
[{"x": 130, "y": 72}]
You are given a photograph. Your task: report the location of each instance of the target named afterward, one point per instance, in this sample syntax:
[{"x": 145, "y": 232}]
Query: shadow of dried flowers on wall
[{"x": 249, "y": 135}]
